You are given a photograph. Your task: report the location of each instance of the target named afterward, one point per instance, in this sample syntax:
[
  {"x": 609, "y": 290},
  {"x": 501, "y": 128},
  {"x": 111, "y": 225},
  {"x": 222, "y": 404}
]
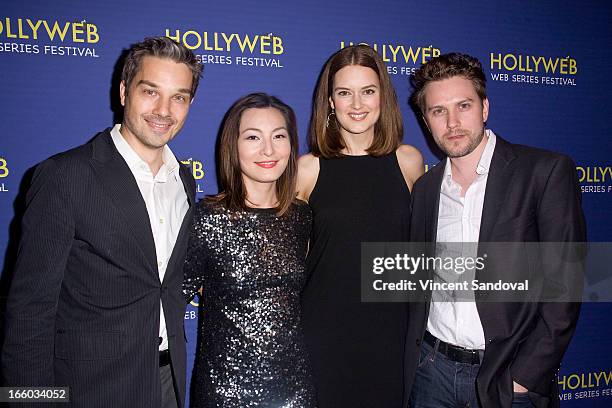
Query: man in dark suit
[
  {"x": 96, "y": 302},
  {"x": 497, "y": 353}
]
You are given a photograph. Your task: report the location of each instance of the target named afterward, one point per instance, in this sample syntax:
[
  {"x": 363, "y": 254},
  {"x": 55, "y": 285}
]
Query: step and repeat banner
[{"x": 547, "y": 65}]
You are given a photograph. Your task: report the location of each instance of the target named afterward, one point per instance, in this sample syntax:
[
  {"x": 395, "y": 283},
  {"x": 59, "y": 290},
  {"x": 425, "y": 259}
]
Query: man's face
[
  {"x": 156, "y": 104},
  {"x": 455, "y": 115}
]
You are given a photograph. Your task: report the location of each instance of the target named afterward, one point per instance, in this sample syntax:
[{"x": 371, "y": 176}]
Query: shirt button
[
  {"x": 160, "y": 263},
  {"x": 161, "y": 220}
]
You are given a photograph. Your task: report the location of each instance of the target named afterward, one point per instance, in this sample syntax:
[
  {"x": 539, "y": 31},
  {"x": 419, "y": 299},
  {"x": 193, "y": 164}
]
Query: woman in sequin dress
[
  {"x": 247, "y": 252},
  {"x": 357, "y": 180}
]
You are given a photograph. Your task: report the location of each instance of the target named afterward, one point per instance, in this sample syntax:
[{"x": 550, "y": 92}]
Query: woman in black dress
[
  {"x": 357, "y": 180},
  {"x": 247, "y": 252}
]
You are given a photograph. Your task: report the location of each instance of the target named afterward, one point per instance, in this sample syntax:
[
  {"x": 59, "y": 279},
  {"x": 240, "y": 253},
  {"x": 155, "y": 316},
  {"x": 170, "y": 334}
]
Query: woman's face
[
  {"x": 356, "y": 99},
  {"x": 263, "y": 145}
]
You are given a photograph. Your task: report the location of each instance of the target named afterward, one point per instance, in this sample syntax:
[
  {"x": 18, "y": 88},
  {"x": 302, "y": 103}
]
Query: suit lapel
[
  {"x": 188, "y": 184},
  {"x": 500, "y": 175},
  {"x": 432, "y": 201},
  {"x": 120, "y": 184}
]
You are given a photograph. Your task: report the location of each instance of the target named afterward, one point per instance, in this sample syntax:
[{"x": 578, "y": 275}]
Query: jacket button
[{"x": 418, "y": 342}]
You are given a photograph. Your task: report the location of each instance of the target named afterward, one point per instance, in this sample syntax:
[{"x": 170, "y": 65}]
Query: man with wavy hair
[
  {"x": 472, "y": 353},
  {"x": 96, "y": 303}
]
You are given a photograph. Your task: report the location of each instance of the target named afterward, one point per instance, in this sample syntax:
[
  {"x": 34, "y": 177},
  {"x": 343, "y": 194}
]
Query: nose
[
  {"x": 267, "y": 149},
  {"x": 452, "y": 120},
  {"x": 162, "y": 107},
  {"x": 356, "y": 102}
]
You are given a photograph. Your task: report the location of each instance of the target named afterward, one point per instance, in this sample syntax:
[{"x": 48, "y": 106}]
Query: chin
[
  {"x": 358, "y": 131},
  {"x": 266, "y": 179}
]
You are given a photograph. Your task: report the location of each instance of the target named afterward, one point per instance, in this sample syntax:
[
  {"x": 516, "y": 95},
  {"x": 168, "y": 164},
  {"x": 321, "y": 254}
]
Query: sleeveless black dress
[{"x": 356, "y": 349}]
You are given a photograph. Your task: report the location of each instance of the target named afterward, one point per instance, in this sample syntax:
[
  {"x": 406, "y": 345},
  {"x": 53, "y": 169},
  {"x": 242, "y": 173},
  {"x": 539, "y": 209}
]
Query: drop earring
[{"x": 333, "y": 112}]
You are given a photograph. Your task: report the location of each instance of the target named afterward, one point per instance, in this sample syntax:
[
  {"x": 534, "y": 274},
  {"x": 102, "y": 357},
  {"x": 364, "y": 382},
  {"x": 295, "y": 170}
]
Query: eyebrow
[
  {"x": 259, "y": 130},
  {"x": 465, "y": 100},
  {"x": 363, "y": 87},
  {"x": 154, "y": 85},
  {"x": 456, "y": 103}
]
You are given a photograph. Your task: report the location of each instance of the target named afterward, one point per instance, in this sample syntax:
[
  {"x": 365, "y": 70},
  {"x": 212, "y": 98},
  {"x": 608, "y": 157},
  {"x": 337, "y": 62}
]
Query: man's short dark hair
[
  {"x": 161, "y": 47},
  {"x": 447, "y": 66}
]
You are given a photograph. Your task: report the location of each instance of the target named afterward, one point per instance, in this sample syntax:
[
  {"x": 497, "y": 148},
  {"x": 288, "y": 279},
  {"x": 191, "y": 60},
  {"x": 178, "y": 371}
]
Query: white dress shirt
[
  {"x": 459, "y": 218},
  {"x": 166, "y": 201}
]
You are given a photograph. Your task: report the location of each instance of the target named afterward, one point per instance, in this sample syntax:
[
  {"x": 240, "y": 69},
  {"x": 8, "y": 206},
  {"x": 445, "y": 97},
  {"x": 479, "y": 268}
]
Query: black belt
[
  {"x": 164, "y": 358},
  {"x": 455, "y": 353}
]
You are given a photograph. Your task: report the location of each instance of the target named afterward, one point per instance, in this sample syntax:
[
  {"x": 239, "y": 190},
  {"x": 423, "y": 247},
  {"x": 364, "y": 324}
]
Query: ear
[
  {"x": 485, "y": 109},
  {"x": 331, "y": 102},
  {"x": 122, "y": 93}
]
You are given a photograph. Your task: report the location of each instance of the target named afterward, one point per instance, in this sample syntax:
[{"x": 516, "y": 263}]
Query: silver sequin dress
[{"x": 251, "y": 265}]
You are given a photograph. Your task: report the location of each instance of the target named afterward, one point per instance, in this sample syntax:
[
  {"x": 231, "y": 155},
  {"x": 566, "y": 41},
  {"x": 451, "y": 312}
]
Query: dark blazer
[
  {"x": 83, "y": 307},
  {"x": 531, "y": 195}
]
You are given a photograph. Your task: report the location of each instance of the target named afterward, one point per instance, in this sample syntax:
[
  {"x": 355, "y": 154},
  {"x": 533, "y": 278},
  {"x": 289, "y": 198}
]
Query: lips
[
  {"x": 358, "y": 116},
  {"x": 456, "y": 135},
  {"x": 267, "y": 164},
  {"x": 158, "y": 123},
  {"x": 158, "y": 126}
]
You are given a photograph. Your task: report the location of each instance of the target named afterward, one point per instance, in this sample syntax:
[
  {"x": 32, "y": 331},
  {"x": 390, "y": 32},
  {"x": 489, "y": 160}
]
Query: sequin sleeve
[{"x": 197, "y": 254}]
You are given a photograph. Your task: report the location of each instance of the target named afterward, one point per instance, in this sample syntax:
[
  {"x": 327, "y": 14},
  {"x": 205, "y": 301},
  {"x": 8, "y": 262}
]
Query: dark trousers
[
  {"x": 168, "y": 393},
  {"x": 441, "y": 382}
]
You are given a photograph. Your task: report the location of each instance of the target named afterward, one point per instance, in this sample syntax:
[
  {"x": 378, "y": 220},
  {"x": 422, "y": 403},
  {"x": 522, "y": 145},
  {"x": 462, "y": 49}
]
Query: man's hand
[{"x": 516, "y": 387}]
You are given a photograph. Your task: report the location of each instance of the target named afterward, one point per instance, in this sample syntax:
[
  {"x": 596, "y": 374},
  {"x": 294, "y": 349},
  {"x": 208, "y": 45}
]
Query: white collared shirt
[
  {"x": 166, "y": 201},
  {"x": 459, "y": 219}
]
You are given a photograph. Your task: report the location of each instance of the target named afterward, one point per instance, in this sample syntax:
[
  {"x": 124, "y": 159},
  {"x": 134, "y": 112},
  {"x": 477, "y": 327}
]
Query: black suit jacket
[
  {"x": 83, "y": 308},
  {"x": 531, "y": 195}
]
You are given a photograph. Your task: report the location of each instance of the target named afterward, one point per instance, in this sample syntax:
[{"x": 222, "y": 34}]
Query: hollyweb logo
[
  {"x": 250, "y": 50},
  {"x": 49, "y": 37},
  {"x": 197, "y": 171},
  {"x": 595, "y": 179},
  {"x": 585, "y": 385},
  {"x": 4, "y": 172},
  {"x": 400, "y": 59},
  {"x": 533, "y": 69}
]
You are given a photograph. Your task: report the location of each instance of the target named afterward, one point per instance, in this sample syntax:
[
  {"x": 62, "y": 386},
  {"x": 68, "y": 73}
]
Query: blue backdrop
[{"x": 547, "y": 65}]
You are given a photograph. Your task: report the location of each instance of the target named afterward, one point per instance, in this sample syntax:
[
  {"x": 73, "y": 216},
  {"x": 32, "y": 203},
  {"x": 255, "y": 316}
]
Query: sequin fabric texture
[{"x": 251, "y": 266}]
